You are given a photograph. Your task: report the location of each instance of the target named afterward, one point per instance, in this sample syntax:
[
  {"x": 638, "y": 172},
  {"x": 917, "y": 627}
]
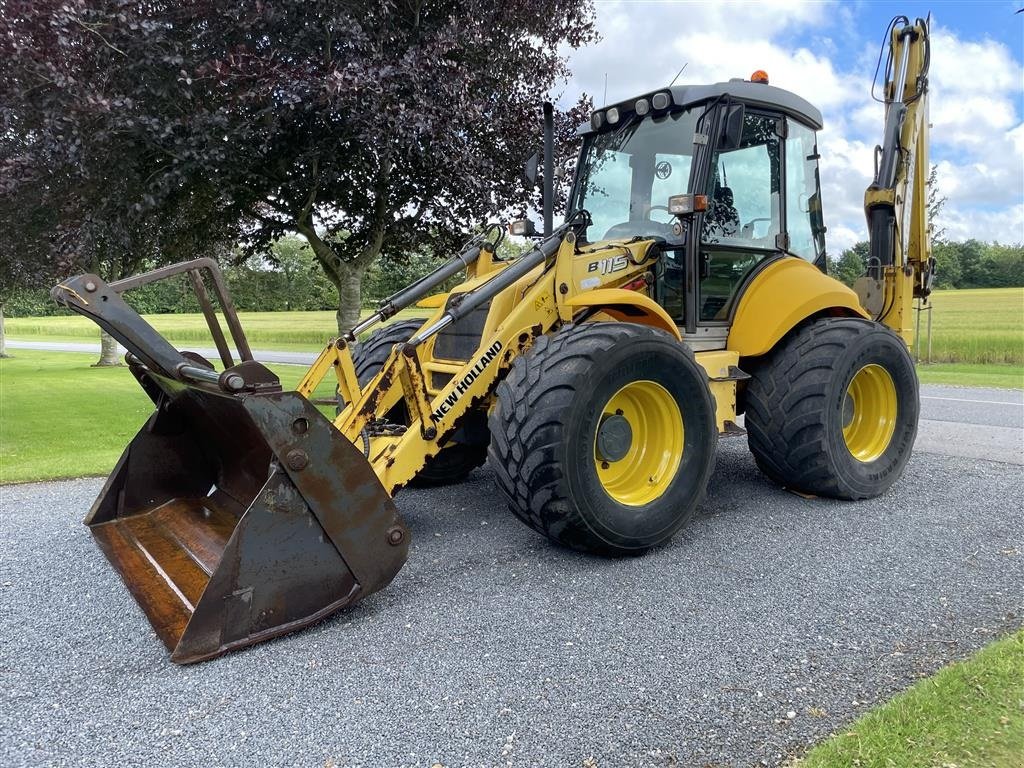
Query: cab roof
[{"x": 751, "y": 94}]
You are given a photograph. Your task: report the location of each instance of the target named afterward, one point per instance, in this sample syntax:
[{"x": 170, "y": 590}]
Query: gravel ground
[{"x": 769, "y": 623}]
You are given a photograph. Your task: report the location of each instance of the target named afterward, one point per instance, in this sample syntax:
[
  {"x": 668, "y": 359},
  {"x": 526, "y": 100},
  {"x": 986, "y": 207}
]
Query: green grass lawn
[
  {"x": 973, "y": 375},
  {"x": 61, "y": 418},
  {"x": 286, "y": 331},
  {"x": 968, "y": 715}
]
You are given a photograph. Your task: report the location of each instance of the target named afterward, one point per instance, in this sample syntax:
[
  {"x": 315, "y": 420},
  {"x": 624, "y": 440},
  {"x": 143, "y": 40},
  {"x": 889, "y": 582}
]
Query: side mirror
[
  {"x": 732, "y": 135},
  {"x": 566, "y": 169},
  {"x": 531, "y": 169}
]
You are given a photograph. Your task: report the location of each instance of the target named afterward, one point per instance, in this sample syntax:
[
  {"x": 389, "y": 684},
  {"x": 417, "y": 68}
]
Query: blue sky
[{"x": 826, "y": 52}]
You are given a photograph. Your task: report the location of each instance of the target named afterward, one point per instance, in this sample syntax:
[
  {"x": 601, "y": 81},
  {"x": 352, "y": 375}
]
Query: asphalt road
[{"x": 769, "y": 623}]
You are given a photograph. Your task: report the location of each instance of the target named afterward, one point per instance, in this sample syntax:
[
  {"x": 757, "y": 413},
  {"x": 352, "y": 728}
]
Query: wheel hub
[
  {"x": 870, "y": 409},
  {"x": 614, "y": 438},
  {"x": 638, "y": 444}
]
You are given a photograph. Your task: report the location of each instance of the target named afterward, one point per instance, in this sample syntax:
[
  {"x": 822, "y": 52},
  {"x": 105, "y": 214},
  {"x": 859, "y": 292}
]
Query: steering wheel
[
  {"x": 628, "y": 228},
  {"x": 652, "y": 208}
]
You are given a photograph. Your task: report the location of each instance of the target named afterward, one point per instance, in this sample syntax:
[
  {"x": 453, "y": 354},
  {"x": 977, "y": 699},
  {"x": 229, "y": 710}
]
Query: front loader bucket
[
  {"x": 238, "y": 512},
  {"x": 234, "y": 519}
]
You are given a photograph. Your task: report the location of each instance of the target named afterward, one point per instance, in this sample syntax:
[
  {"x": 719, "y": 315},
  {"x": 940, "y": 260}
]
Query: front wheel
[
  {"x": 603, "y": 437},
  {"x": 833, "y": 410}
]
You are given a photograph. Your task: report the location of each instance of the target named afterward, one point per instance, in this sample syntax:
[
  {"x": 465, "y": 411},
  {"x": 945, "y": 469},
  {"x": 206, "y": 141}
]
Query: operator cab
[{"x": 747, "y": 147}]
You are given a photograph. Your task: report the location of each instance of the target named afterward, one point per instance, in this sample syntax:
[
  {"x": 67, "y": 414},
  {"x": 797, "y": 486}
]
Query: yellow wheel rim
[
  {"x": 869, "y": 413},
  {"x": 644, "y": 462}
]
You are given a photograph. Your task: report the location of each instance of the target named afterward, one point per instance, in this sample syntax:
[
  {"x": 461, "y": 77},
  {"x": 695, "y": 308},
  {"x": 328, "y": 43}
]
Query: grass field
[
  {"x": 267, "y": 330},
  {"x": 969, "y": 715},
  {"x": 977, "y": 327},
  {"x": 985, "y": 325},
  {"x": 84, "y": 419},
  {"x": 973, "y": 375}
]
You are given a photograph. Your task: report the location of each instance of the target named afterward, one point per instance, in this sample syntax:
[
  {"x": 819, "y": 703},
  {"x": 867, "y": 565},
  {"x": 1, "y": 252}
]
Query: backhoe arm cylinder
[
  {"x": 882, "y": 216},
  {"x": 505, "y": 278}
]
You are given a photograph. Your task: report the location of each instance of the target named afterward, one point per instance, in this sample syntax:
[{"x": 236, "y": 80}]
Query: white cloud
[{"x": 977, "y": 135}]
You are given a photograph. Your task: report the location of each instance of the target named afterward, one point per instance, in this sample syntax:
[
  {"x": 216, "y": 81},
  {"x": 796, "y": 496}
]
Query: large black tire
[
  {"x": 456, "y": 460},
  {"x": 544, "y": 431},
  {"x": 797, "y": 404}
]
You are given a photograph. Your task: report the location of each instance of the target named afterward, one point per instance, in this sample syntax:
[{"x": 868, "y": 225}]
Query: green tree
[
  {"x": 851, "y": 263},
  {"x": 972, "y": 269},
  {"x": 934, "y": 205},
  {"x": 1002, "y": 266},
  {"x": 947, "y": 264},
  {"x": 366, "y": 127}
]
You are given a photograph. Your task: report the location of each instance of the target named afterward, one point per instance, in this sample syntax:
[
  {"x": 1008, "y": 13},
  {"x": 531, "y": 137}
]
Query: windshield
[{"x": 628, "y": 175}]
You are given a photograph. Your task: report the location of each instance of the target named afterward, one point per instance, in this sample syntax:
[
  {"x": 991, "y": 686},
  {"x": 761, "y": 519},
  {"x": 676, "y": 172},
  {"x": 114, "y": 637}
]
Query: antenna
[
  {"x": 677, "y": 74},
  {"x": 604, "y": 99}
]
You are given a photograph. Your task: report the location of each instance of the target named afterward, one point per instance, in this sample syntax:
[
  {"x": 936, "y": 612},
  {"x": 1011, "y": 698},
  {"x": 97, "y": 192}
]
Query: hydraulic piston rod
[
  {"x": 508, "y": 276},
  {"x": 409, "y": 295}
]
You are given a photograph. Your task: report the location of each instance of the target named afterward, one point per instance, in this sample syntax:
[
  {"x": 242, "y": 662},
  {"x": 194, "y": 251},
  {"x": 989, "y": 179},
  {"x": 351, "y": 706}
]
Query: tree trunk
[
  {"x": 349, "y": 281},
  {"x": 108, "y": 351},
  {"x": 3, "y": 337},
  {"x": 347, "y": 276}
]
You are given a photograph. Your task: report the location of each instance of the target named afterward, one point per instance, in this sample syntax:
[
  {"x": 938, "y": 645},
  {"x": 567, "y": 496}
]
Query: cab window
[
  {"x": 744, "y": 215},
  {"x": 744, "y": 189},
  {"x": 803, "y": 195},
  {"x": 629, "y": 173}
]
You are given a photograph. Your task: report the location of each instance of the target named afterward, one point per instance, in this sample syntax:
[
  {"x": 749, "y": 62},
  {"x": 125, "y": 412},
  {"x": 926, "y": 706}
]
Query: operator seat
[{"x": 722, "y": 218}]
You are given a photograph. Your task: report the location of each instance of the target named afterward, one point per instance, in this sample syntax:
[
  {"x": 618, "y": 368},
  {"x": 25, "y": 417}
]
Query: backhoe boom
[{"x": 900, "y": 266}]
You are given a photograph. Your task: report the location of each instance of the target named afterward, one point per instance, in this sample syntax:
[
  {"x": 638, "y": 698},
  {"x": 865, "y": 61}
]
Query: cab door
[{"x": 744, "y": 224}]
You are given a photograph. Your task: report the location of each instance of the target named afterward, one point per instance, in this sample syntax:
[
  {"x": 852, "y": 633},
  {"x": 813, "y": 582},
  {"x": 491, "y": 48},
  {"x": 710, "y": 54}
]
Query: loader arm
[
  {"x": 901, "y": 267},
  {"x": 398, "y": 452}
]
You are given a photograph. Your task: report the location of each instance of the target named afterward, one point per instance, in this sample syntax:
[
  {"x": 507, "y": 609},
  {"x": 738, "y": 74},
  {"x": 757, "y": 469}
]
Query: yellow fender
[
  {"x": 626, "y": 306},
  {"x": 785, "y": 293}
]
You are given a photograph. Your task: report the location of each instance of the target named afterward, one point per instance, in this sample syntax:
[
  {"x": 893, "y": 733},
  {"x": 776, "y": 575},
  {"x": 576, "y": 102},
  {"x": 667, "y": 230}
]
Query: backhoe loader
[{"x": 686, "y": 287}]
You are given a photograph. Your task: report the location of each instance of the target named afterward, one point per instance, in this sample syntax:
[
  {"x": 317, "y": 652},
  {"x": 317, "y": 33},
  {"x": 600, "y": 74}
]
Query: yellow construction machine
[{"x": 687, "y": 286}]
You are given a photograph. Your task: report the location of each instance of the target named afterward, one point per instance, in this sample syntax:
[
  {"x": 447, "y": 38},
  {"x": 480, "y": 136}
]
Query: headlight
[
  {"x": 596, "y": 120},
  {"x": 661, "y": 100},
  {"x": 680, "y": 205},
  {"x": 642, "y": 107},
  {"x": 522, "y": 228},
  {"x": 612, "y": 115}
]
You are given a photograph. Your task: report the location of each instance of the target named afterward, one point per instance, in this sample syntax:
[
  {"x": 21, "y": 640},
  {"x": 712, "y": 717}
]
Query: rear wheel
[
  {"x": 603, "y": 437},
  {"x": 457, "y": 459},
  {"x": 833, "y": 410}
]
